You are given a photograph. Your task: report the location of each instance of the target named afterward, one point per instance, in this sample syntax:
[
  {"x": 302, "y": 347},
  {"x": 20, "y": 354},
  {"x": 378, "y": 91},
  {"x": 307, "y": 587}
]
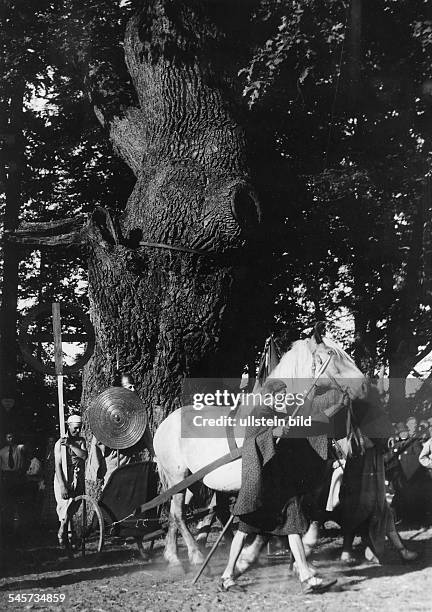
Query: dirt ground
[{"x": 120, "y": 580}]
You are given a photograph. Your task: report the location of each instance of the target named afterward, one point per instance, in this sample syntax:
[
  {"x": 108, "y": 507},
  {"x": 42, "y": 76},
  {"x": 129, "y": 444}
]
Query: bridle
[
  {"x": 352, "y": 429},
  {"x": 323, "y": 368}
]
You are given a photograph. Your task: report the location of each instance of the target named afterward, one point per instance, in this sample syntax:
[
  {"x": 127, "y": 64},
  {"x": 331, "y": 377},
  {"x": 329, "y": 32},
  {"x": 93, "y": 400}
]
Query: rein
[
  {"x": 353, "y": 432},
  {"x": 321, "y": 371},
  {"x": 231, "y": 456}
]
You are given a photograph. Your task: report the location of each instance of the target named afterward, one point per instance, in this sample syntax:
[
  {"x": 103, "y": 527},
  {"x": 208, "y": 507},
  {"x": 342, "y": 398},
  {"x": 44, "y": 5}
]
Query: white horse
[{"x": 179, "y": 452}]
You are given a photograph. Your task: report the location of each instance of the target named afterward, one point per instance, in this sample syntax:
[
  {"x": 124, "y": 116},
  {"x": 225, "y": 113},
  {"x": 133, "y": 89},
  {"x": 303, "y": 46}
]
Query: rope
[
  {"x": 182, "y": 485},
  {"x": 182, "y": 249}
]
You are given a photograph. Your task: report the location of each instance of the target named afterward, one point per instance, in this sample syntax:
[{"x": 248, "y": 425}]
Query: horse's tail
[{"x": 163, "y": 476}]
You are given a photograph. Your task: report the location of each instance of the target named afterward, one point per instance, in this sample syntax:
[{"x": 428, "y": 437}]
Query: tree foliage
[{"x": 352, "y": 245}]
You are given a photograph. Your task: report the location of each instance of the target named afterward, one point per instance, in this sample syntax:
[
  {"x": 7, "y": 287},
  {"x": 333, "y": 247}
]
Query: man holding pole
[{"x": 66, "y": 487}]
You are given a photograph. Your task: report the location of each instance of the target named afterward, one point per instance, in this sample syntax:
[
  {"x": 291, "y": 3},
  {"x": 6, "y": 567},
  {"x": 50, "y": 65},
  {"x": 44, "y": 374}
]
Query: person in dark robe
[
  {"x": 364, "y": 508},
  {"x": 412, "y": 501},
  {"x": 274, "y": 477}
]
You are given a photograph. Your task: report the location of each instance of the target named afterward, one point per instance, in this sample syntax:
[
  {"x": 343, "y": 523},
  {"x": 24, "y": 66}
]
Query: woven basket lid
[{"x": 117, "y": 418}]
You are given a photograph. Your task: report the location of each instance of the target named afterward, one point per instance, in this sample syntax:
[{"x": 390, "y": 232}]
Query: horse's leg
[
  {"x": 170, "y": 552},
  {"x": 206, "y": 523},
  {"x": 177, "y": 511},
  {"x": 251, "y": 553},
  {"x": 311, "y": 537},
  {"x": 223, "y": 513},
  {"x": 347, "y": 554}
]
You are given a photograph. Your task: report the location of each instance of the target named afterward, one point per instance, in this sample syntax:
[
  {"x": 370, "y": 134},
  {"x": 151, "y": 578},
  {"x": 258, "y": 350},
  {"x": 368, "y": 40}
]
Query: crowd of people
[
  {"x": 26, "y": 480},
  {"x": 22, "y": 486},
  {"x": 408, "y": 464},
  {"x": 33, "y": 484}
]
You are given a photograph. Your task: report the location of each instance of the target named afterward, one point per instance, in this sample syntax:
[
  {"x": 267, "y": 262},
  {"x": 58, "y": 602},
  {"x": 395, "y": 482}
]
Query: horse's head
[{"x": 341, "y": 370}]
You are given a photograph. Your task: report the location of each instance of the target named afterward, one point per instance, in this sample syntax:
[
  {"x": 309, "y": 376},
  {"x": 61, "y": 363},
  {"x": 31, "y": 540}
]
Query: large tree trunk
[
  {"x": 171, "y": 314},
  {"x": 12, "y": 164}
]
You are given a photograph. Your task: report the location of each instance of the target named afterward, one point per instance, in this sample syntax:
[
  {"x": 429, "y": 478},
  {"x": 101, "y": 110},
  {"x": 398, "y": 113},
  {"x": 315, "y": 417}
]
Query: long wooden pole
[
  {"x": 213, "y": 548},
  {"x": 58, "y": 359}
]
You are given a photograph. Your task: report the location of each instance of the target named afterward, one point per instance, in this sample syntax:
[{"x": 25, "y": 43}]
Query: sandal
[
  {"x": 314, "y": 584},
  {"x": 229, "y": 584},
  {"x": 295, "y": 570},
  {"x": 408, "y": 555}
]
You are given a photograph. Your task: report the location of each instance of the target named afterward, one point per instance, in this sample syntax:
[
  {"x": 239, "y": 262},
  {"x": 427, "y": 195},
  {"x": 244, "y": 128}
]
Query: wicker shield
[{"x": 117, "y": 418}]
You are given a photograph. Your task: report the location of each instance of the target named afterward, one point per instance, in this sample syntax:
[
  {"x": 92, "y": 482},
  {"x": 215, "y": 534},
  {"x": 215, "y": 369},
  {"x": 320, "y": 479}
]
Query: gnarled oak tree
[{"x": 172, "y": 286}]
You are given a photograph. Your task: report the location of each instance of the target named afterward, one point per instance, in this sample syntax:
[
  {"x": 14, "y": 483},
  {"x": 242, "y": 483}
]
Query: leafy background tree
[{"x": 340, "y": 99}]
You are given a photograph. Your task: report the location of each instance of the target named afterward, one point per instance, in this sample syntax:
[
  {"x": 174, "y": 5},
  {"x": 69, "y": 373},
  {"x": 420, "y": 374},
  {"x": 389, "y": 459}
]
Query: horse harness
[
  {"x": 234, "y": 453},
  {"x": 232, "y": 443}
]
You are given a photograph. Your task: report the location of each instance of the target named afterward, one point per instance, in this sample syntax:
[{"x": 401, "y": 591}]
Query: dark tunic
[
  {"x": 413, "y": 486},
  {"x": 274, "y": 477},
  {"x": 364, "y": 508}
]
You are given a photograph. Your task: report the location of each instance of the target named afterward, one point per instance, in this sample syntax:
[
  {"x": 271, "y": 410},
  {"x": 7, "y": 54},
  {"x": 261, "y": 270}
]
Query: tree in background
[
  {"x": 62, "y": 170},
  {"x": 338, "y": 95},
  {"x": 348, "y": 87},
  {"x": 167, "y": 313}
]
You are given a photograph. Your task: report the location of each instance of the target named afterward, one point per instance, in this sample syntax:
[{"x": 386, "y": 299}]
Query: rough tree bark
[
  {"x": 12, "y": 165},
  {"x": 175, "y": 314},
  {"x": 168, "y": 314}
]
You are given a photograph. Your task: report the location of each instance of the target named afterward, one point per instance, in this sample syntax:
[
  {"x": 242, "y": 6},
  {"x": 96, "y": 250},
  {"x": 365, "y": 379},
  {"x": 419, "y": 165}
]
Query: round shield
[{"x": 117, "y": 418}]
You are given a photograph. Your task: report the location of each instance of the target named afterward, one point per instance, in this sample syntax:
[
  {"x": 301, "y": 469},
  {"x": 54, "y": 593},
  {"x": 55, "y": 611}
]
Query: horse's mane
[
  {"x": 338, "y": 349},
  {"x": 296, "y": 363}
]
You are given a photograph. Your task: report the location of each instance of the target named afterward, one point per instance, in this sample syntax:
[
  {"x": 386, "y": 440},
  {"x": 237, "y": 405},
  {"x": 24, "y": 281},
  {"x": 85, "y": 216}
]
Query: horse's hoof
[
  {"x": 370, "y": 556},
  {"x": 172, "y": 560},
  {"x": 347, "y": 558},
  {"x": 229, "y": 584},
  {"x": 196, "y": 558}
]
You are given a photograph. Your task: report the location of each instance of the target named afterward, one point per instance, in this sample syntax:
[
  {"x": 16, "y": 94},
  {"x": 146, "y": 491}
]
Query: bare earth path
[{"x": 119, "y": 580}]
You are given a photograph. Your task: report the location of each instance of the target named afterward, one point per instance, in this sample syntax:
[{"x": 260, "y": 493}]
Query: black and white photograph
[{"x": 215, "y": 305}]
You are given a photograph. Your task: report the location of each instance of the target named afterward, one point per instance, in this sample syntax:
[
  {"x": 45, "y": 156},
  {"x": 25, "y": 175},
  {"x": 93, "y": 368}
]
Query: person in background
[
  {"x": 425, "y": 457},
  {"x": 423, "y": 431},
  {"x": 12, "y": 469},
  {"x": 124, "y": 379},
  {"x": 402, "y": 431},
  {"x": 67, "y": 488},
  {"x": 412, "y": 501},
  {"x": 412, "y": 427},
  {"x": 364, "y": 507},
  {"x": 34, "y": 487},
  {"x": 12, "y": 456},
  {"x": 127, "y": 382},
  {"x": 103, "y": 461}
]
